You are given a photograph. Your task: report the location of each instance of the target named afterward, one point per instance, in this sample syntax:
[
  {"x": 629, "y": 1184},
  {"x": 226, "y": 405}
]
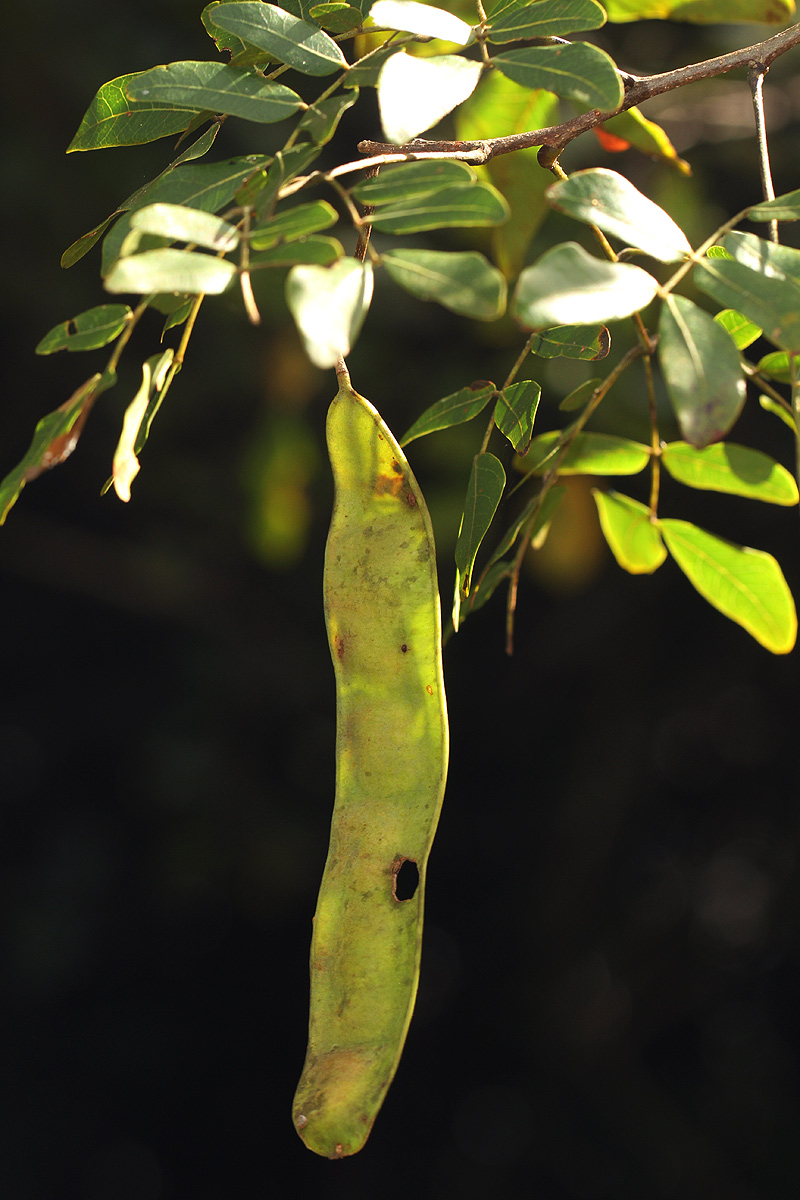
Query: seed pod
[{"x": 384, "y": 628}]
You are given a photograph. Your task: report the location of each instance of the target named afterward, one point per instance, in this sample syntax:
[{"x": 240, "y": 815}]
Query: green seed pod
[{"x": 384, "y": 628}]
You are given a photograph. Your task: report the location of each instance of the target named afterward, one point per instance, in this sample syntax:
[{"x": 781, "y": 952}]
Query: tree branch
[{"x": 554, "y": 138}]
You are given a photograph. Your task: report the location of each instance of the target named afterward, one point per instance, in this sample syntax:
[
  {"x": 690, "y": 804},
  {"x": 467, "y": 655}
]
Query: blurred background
[{"x": 610, "y": 982}]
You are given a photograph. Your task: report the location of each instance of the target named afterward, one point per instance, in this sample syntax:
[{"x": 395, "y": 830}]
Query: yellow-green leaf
[{"x": 633, "y": 538}]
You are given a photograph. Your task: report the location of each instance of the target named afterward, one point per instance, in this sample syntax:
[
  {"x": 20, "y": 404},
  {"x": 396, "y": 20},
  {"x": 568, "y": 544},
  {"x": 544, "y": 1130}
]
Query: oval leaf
[
  {"x": 484, "y": 490},
  {"x": 292, "y": 41},
  {"x": 586, "y": 342},
  {"x": 465, "y": 282},
  {"x": 415, "y": 93},
  {"x": 169, "y": 270},
  {"x": 606, "y": 199},
  {"x": 329, "y": 305},
  {"x": 320, "y": 250},
  {"x": 183, "y": 224},
  {"x": 112, "y": 119},
  {"x": 406, "y": 181},
  {"x": 588, "y": 454},
  {"x": 455, "y": 409},
  {"x": 515, "y": 413},
  {"x": 216, "y": 87},
  {"x": 568, "y": 285},
  {"x": 770, "y": 258},
  {"x": 782, "y": 208},
  {"x": 771, "y": 303},
  {"x": 726, "y": 467},
  {"x": 294, "y": 223},
  {"x": 633, "y": 538},
  {"x": 88, "y": 331},
  {"x": 576, "y": 70},
  {"x": 746, "y": 585},
  {"x": 702, "y": 371},
  {"x": 480, "y": 204},
  {"x": 743, "y": 332},
  {"x": 423, "y": 19},
  {"x": 546, "y": 18}
]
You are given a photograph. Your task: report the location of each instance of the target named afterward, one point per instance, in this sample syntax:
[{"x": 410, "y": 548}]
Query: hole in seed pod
[{"x": 405, "y": 878}]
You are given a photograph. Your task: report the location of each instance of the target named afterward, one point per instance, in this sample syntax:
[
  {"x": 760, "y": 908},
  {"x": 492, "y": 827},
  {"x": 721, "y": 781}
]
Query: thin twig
[{"x": 755, "y": 78}]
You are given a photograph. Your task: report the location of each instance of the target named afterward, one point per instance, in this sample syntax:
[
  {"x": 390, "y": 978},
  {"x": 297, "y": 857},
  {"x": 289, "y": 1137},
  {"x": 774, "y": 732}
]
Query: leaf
[
  {"x": 580, "y": 396},
  {"x": 169, "y": 270},
  {"x": 569, "y": 285},
  {"x": 182, "y": 224},
  {"x": 770, "y": 258},
  {"x": 646, "y": 136},
  {"x": 292, "y": 41},
  {"x": 322, "y": 118},
  {"x": 718, "y": 252},
  {"x": 515, "y": 412},
  {"x": 587, "y": 342},
  {"x": 577, "y": 70},
  {"x": 726, "y": 467},
  {"x": 366, "y": 71},
  {"x": 776, "y": 366},
  {"x": 287, "y": 165},
  {"x": 782, "y": 208},
  {"x": 544, "y": 19},
  {"x": 112, "y": 119},
  {"x": 54, "y": 439},
  {"x": 485, "y": 488},
  {"x": 702, "y": 371},
  {"x": 415, "y": 93},
  {"x": 88, "y": 331},
  {"x": 241, "y": 52},
  {"x": 746, "y": 585},
  {"x": 413, "y": 180},
  {"x": 329, "y": 305},
  {"x": 451, "y": 410},
  {"x": 423, "y": 19},
  {"x": 126, "y": 464},
  {"x": 546, "y": 510},
  {"x": 320, "y": 250},
  {"x": 336, "y": 18},
  {"x": 217, "y": 87},
  {"x": 771, "y": 406},
  {"x": 588, "y": 454},
  {"x": 606, "y": 199},
  {"x": 632, "y": 537},
  {"x": 701, "y": 12},
  {"x": 743, "y": 332},
  {"x": 293, "y": 223},
  {"x": 771, "y": 303},
  {"x": 464, "y": 282},
  {"x": 480, "y": 204}
]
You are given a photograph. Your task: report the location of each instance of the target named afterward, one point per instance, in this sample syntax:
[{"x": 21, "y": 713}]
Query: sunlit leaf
[
  {"x": 632, "y": 537},
  {"x": 320, "y": 250},
  {"x": 746, "y": 585},
  {"x": 771, "y": 303},
  {"x": 292, "y": 41},
  {"x": 217, "y": 87},
  {"x": 409, "y": 181},
  {"x": 588, "y": 454},
  {"x": 701, "y": 12},
  {"x": 702, "y": 371},
  {"x": 460, "y": 406},
  {"x": 726, "y": 467},
  {"x": 772, "y": 406},
  {"x": 743, "y": 332},
  {"x": 772, "y": 259},
  {"x": 178, "y": 223},
  {"x": 515, "y": 412},
  {"x": 577, "y": 70},
  {"x": 169, "y": 270},
  {"x": 336, "y": 18},
  {"x": 606, "y": 199},
  {"x": 645, "y": 135},
  {"x": 569, "y": 285},
  {"x": 112, "y": 119},
  {"x": 329, "y": 305},
  {"x": 464, "y": 282},
  {"x": 776, "y": 366},
  {"x": 415, "y": 93},
  {"x": 88, "y": 331},
  {"x": 412, "y": 17},
  {"x": 546, "y": 18},
  {"x": 292, "y": 223},
  {"x": 135, "y": 425},
  {"x": 480, "y": 204},
  {"x": 587, "y": 342},
  {"x": 484, "y": 491}
]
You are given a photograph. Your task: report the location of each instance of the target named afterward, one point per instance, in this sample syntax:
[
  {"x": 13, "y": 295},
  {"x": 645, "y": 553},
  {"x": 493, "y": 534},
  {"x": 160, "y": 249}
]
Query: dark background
[{"x": 609, "y": 997}]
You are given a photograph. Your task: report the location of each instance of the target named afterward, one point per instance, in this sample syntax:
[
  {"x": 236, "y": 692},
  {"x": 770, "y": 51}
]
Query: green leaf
[
  {"x": 776, "y": 366},
  {"x": 454, "y": 409},
  {"x": 746, "y": 585},
  {"x": 413, "y": 180},
  {"x": 743, "y": 332},
  {"x": 88, "y": 331},
  {"x": 217, "y": 87},
  {"x": 515, "y": 412},
  {"x": 702, "y": 371},
  {"x": 579, "y": 397},
  {"x": 726, "y": 467},
  {"x": 293, "y": 223},
  {"x": 771, "y": 406},
  {"x": 181, "y": 224},
  {"x": 366, "y": 71},
  {"x": 486, "y": 586},
  {"x": 701, "y": 12},
  {"x": 329, "y": 305},
  {"x": 169, "y": 270},
  {"x": 588, "y": 454},
  {"x": 546, "y": 18},
  {"x": 632, "y": 537},
  {"x": 546, "y": 510},
  {"x": 320, "y": 250},
  {"x": 336, "y": 18},
  {"x": 485, "y": 488},
  {"x": 567, "y": 284},
  {"x": 587, "y": 342},
  {"x": 321, "y": 120},
  {"x": 606, "y": 199},
  {"x": 770, "y": 258},
  {"x": 409, "y": 16},
  {"x": 480, "y": 204},
  {"x": 577, "y": 70},
  {"x": 112, "y": 119},
  {"x": 292, "y": 41},
  {"x": 782, "y": 208},
  {"x": 718, "y": 252},
  {"x": 242, "y": 54},
  {"x": 54, "y": 439},
  {"x": 769, "y": 302},
  {"x": 415, "y": 93},
  {"x": 464, "y": 282},
  {"x": 287, "y": 165}
]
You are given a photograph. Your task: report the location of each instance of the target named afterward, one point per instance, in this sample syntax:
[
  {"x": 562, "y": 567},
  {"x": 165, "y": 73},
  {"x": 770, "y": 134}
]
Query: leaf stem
[{"x": 755, "y": 78}]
